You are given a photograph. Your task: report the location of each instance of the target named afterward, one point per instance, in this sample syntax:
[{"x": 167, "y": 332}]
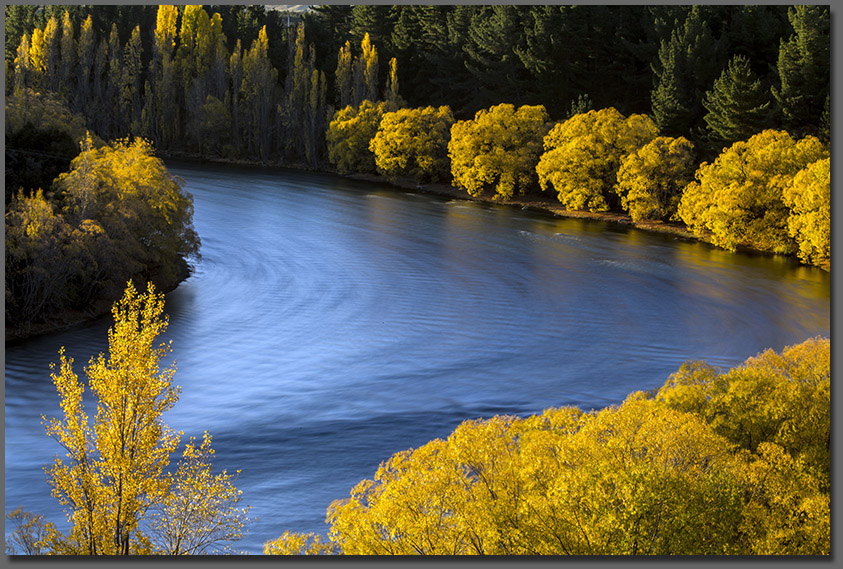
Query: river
[{"x": 332, "y": 322}]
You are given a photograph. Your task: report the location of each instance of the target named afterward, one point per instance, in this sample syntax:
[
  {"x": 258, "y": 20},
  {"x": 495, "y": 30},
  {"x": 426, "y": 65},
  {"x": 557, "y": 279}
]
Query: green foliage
[
  {"x": 739, "y": 197},
  {"x": 498, "y": 150},
  {"x": 737, "y": 104},
  {"x": 804, "y": 68},
  {"x": 582, "y": 156},
  {"x": 114, "y": 479},
  {"x": 349, "y": 135},
  {"x": 651, "y": 179},
  {"x": 687, "y": 64},
  {"x": 809, "y": 198},
  {"x": 414, "y": 143}
]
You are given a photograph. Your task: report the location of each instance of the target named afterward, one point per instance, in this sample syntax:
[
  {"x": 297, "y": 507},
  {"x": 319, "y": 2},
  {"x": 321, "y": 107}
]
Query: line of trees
[
  {"x": 771, "y": 192},
  {"x": 207, "y": 80},
  {"x": 697, "y": 83},
  {"x": 713, "y": 463}
]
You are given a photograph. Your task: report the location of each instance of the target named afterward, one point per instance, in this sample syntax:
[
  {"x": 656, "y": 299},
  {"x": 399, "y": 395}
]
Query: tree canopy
[
  {"x": 582, "y": 156},
  {"x": 497, "y": 151}
]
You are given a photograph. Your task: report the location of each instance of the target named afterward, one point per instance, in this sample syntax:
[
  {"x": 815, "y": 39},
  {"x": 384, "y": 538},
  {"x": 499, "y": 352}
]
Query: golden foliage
[
  {"x": 651, "y": 179},
  {"x": 582, "y": 155},
  {"x": 497, "y": 151},
  {"x": 809, "y": 198},
  {"x": 349, "y": 135},
  {"x": 713, "y": 464},
  {"x": 739, "y": 197},
  {"x": 298, "y": 544},
  {"x": 114, "y": 472},
  {"x": 413, "y": 143}
]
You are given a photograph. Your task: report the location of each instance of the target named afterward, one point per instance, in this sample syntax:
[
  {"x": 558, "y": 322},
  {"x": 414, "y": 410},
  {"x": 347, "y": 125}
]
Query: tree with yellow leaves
[
  {"x": 349, "y": 134},
  {"x": 651, "y": 179},
  {"x": 808, "y": 197},
  {"x": 713, "y": 464},
  {"x": 114, "y": 477},
  {"x": 414, "y": 143},
  {"x": 739, "y": 198},
  {"x": 582, "y": 156},
  {"x": 497, "y": 151},
  {"x": 141, "y": 207}
]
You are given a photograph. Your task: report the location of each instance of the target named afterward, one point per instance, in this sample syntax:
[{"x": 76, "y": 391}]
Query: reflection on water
[{"x": 331, "y": 323}]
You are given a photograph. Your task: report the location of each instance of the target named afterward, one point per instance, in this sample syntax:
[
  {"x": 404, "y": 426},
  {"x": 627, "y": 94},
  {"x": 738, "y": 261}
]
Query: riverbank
[
  {"x": 543, "y": 203},
  {"x": 98, "y": 308},
  {"x": 540, "y": 202}
]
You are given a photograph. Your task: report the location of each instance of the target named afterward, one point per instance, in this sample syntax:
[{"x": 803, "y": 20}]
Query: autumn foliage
[
  {"x": 497, "y": 151},
  {"x": 739, "y": 198},
  {"x": 713, "y": 463},
  {"x": 121, "y": 498},
  {"x": 582, "y": 156}
]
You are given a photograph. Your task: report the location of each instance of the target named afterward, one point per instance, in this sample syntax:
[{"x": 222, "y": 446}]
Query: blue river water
[{"x": 330, "y": 323}]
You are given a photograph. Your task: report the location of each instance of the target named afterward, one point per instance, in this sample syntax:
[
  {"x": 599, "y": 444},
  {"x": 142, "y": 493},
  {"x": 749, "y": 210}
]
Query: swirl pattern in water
[{"x": 331, "y": 323}]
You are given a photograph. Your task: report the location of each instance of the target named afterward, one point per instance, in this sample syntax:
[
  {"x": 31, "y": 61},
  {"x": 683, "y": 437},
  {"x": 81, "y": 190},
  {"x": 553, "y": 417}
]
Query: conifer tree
[
  {"x": 737, "y": 104},
  {"x": 803, "y": 67},
  {"x": 686, "y": 66}
]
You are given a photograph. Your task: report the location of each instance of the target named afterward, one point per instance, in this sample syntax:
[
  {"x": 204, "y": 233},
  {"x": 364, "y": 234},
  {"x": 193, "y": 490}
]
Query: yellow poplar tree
[{"x": 114, "y": 473}]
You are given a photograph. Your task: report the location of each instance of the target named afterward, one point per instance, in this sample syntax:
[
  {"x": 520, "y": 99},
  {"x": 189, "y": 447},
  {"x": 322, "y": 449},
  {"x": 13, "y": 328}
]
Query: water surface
[{"x": 331, "y": 323}]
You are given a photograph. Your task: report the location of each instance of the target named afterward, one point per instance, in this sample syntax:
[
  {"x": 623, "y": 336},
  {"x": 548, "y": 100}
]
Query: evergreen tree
[
  {"x": 687, "y": 65},
  {"x": 803, "y": 67},
  {"x": 493, "y": 37},
  {"x": 737, "y": 104}
]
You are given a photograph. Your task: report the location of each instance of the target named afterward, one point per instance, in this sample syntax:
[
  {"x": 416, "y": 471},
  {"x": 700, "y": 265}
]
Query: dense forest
[{"x": 715, "y": 117}]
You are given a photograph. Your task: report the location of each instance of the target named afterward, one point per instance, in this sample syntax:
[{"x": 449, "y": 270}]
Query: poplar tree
[
  {"x": 259, "y": 92},
  {"x": 163, "y": 73},
  {"x": 69, "y": 59},
  {"x": 737, "y": 104},
  {"x": 86, "y": 49},
  {"x": 344, "y": 75}
]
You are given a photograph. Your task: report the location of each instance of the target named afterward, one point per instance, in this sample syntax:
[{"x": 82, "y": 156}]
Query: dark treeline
[{"x": 205, "y": 80}]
